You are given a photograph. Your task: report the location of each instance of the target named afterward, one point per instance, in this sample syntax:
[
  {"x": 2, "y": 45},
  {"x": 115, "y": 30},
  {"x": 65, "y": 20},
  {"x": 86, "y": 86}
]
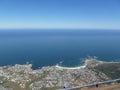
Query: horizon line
[{"x": 59, "y": 28}]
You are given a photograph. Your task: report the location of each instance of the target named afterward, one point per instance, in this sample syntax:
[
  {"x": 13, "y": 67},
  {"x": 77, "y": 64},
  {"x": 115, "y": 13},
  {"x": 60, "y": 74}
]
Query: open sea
[{"x": 50, "y": 47}]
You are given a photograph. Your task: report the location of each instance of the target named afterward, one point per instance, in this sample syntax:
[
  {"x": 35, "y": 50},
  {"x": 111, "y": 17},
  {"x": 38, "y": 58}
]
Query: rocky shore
[{"x": 23, "y": 77}]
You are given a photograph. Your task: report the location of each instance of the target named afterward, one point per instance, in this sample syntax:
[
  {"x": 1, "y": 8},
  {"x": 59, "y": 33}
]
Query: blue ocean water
[{"x": 49, "y": 47}]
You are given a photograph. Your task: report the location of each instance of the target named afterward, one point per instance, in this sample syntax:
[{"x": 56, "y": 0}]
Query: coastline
[
  {"x": 91, "y": 71},
  {"x": 88, "y": 62},
  {"x": 61, "y": 67}
]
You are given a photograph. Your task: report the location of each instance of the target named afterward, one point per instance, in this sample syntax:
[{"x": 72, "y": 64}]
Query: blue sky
[{"x": 78, "y": 14}]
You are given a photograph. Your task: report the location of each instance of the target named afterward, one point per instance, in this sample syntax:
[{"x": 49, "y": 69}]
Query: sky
[{"x": 75, "y": 14}]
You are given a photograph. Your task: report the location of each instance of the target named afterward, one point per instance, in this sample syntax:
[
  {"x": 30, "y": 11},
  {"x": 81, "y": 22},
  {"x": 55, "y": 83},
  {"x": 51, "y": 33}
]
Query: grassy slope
[{"x": 112, "y": 70}]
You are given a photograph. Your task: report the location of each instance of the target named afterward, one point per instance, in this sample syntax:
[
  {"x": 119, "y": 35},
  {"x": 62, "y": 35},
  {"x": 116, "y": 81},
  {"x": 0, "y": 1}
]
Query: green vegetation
[{"x": 112, "y": 70}]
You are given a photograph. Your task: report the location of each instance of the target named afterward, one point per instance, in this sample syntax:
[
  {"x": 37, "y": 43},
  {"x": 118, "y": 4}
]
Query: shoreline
[
  {"x": 63, "y": 67},
  {"x": 47, "y": 76},
  {"x": 87, "y": 63}
]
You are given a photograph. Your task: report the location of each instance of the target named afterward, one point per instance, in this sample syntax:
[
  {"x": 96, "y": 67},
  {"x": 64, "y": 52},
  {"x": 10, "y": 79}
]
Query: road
[{"x": 93, "y": 84}]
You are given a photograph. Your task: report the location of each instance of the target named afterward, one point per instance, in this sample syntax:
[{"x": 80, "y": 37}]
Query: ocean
[{"x": 50, "y": 47}]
